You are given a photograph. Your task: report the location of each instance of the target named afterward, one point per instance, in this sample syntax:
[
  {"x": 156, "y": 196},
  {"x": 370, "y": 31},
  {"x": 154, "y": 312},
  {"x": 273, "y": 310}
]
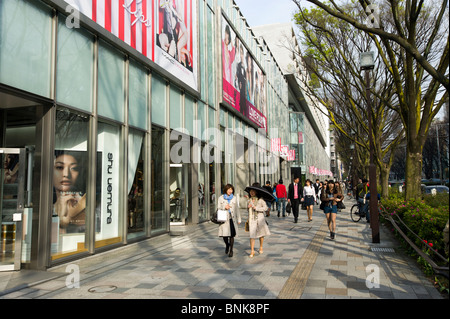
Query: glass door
[{"x": 11, "y": 206}]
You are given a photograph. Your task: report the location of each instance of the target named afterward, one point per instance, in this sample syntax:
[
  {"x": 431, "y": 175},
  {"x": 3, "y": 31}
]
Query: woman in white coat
[
  {"x": 228, "y": 230},
  {"x": 258, "y": 228}
]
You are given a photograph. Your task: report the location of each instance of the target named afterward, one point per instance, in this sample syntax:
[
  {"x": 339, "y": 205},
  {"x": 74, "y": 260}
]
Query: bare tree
[{"x": 411, "y": 38}]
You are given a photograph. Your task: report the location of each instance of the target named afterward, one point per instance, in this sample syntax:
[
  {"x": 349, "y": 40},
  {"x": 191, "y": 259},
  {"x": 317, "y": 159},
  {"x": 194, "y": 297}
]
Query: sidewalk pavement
[{"x": 300, "y": 261}]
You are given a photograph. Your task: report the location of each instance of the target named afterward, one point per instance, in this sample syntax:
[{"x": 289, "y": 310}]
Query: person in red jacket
[{"x": 282, "y": 196}]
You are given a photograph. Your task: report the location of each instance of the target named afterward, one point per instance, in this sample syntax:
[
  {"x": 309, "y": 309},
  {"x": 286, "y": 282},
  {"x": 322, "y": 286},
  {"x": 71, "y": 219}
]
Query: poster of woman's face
[{"x": 69, "y": 176}]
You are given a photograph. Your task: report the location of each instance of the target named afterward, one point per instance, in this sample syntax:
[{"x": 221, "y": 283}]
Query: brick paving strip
[{"x": 296, "y": 283}]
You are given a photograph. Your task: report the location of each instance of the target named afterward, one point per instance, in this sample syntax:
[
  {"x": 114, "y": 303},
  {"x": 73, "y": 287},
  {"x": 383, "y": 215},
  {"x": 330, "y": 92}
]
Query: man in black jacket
[{"x": 295, "y": 194}]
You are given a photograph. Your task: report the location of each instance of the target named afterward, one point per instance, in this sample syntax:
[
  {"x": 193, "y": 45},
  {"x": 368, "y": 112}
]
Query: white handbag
[{"x": 222, "y": 215}]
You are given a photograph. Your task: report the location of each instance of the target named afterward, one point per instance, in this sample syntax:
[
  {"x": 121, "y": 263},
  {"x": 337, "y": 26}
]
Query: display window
[{"x": 69, "y": 183}]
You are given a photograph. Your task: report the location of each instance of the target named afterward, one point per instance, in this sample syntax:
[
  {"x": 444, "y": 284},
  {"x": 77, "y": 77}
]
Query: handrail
[{"x": 439, "y": 270}]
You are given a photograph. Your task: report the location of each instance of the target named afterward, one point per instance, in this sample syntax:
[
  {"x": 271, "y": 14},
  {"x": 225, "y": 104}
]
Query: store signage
[
  {"x": 300, "y": 137},
  {"x": 165, "y": 31},
  {"x": 291, "y": 155},
  {"x": 275, "y": 144},
  {"x": 284, "y": 150},
  {"x": 137, "y": 13},
  {"x": 109, "y": 190}
]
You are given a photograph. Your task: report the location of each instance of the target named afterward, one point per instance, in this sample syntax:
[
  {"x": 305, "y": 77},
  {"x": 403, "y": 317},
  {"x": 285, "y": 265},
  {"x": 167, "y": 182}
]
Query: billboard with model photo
[
  {"x": 244, "y": 83},
  {"x": 162, "y": 30}
]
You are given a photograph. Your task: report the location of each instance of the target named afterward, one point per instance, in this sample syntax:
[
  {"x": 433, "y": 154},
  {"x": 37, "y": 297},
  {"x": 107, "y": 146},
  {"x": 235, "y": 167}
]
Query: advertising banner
[
  {"x": 162, "y": 30},
  {"x": 244, "y": 84}
]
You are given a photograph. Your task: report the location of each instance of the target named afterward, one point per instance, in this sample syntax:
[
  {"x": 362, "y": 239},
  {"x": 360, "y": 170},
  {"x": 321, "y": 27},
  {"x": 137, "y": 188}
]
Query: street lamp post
[{"x": 367, "y": 63}]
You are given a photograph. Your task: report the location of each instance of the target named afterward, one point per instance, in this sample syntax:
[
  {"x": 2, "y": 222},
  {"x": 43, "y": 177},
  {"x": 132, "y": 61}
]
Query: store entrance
[
  {"x": 18, "y": 118},
  {"x": 12, "y": 191}
]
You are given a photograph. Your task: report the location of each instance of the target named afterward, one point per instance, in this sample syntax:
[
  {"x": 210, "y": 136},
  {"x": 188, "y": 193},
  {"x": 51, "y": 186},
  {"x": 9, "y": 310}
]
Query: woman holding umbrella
[{"x": 257, "y": 208}]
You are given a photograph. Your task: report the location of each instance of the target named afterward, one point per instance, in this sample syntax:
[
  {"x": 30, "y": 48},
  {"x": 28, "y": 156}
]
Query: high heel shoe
[
  {"x": 252, "y": 254},
  {"x": 230, "y": 254},
  {"x": 261, "y": 251},
  {"x": 227, "y": 249}
]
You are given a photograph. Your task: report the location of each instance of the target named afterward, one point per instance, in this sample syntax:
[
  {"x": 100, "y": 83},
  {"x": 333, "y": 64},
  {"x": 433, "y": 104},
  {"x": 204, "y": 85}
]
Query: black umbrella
[{"x": 261, "y": 193}]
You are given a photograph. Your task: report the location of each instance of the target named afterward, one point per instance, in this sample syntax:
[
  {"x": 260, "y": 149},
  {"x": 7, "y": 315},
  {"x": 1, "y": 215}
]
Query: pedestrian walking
[
  {"x": 228, "y": 201},
  {"x": 269, "y": 204},
  {"x": 309, "y": 195},
  {"x": 257, "y": 207},
  {"x": 340, "y": 196},
  {"x": 294, "y": 196},
  {"x": 317, "y": 188},
  {"x": 282, "y": 197},
  {"x": 330, "y": 199},
  {"x": 274, "y": 193}
]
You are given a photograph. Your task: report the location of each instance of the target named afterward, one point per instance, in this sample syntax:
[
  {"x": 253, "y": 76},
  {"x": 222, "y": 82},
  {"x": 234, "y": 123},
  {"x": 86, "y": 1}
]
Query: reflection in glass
[
  {"x": 158, "y": 216},
  {"x": 135, "y": 184}
]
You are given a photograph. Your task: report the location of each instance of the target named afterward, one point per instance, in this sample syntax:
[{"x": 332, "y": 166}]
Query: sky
[{"x": 260, "y": 12}]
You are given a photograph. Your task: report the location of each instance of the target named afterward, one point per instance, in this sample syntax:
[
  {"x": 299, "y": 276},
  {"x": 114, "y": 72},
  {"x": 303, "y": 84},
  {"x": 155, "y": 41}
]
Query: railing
[{"x": 439, "y": 270}]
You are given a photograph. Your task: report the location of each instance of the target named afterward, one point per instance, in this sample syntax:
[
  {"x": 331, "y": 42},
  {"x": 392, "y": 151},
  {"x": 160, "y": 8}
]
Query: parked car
[{"x": 439, "y": 189}]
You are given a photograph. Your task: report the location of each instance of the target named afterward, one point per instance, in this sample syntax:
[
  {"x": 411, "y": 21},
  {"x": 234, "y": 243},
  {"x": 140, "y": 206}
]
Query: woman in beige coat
[
  {"x": 228, "y": 229},
  {"x": 258, "y": 228}
]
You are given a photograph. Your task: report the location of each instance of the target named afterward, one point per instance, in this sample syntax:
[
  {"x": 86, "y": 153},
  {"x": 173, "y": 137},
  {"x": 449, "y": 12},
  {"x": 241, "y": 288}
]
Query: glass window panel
[
  {"x": 136, "y": 221},
  {"x": 212, "y": 123},
  {"x": 138, "y": 96},
  {"x": 211, "y": 59},
  {"x": 111, "y": 83},
  {"x": 25, "y": 49},
  {"x": 222, "y": 117},
  {"x": 75, "y": 63},
  {"x": 158, "y": 100},
  {"x": 158, "y": 191},
  {"x": 202, "y": 61},
  {"x": 175, "y": 107},
  {"x": 69, "y": 184},
  {"x": 201, "y": 118},
  {"x": 108, "y": 184},
  {"x": 189, "y": 114},
  {"x": 201, "y": 187}
]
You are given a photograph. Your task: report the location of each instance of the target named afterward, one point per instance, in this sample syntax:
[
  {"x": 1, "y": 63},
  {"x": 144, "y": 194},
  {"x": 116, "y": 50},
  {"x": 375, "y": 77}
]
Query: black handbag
[
  {"x": 303, "y": 206},
  {"x": 340, "y": 205},
  {"x": 288, "y": 207}
]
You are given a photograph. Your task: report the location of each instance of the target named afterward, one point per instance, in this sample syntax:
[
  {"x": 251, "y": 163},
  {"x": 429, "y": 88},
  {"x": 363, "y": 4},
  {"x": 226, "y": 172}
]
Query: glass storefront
[{"x": 94, "y": 118}]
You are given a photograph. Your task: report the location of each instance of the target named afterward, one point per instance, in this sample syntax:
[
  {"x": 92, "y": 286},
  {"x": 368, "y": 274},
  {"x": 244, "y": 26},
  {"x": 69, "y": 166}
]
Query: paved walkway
[{"x": 300, "y": 261}]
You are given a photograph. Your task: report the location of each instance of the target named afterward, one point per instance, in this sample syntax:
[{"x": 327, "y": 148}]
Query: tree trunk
[
  {"x": 384, "y": 180},
  {"x": 413, "y": 174}
]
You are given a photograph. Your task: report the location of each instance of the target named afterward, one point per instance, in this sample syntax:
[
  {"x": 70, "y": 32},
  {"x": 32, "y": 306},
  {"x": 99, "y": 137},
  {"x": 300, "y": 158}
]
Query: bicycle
[{"x": 354, "y": 213}]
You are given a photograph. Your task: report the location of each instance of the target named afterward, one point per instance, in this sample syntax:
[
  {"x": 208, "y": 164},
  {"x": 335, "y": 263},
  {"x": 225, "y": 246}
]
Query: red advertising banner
[
  {"x": 162, "y": 30},
  {"x": 244, "y": 84},
  {"x": 320, "y": 172},
  {"x": 275, "y": 144},
  {"x": 300, "y": 137}
]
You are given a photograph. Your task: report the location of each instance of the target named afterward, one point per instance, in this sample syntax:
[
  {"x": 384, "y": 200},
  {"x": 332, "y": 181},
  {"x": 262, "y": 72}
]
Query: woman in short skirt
[{"x": 309, "y": 194}]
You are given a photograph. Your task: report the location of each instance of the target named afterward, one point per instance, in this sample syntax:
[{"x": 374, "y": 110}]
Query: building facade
[
  {"x": 309, "y": 126},
  {"x": 120, "y": 120}
]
